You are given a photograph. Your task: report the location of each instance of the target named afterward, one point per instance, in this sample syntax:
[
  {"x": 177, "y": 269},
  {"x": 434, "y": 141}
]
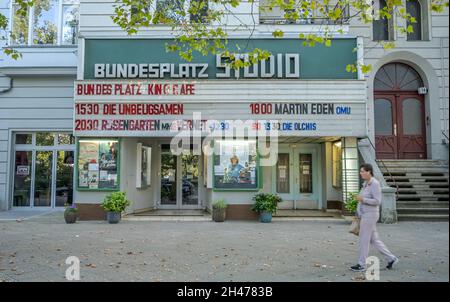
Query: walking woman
[{"x": 368, "y": 210}]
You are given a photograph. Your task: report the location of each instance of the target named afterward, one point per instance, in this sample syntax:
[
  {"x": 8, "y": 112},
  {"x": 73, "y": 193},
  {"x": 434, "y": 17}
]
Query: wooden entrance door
[
  {"x": 411, "y": 126},
  {"x": 399, "y": 126},
  {"x": 399, "y": 113}
]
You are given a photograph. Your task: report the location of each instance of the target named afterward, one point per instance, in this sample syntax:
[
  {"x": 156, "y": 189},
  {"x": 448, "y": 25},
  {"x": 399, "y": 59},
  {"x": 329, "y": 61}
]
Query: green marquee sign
[{"x": 148, "y": 58}]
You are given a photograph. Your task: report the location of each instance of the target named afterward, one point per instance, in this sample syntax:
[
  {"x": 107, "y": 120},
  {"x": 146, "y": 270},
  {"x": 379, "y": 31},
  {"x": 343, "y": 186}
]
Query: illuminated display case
[
  {"x": 98, "y": 164},
  {"x": 236, "y": 165}
]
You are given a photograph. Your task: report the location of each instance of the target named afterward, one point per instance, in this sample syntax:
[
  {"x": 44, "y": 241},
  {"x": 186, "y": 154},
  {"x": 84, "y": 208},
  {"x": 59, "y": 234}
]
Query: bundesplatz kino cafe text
[{"x": 135, "y": 89}]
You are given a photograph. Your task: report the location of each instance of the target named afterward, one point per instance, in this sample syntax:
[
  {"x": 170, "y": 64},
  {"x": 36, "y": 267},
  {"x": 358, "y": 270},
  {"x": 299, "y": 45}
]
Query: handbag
[{"x": 354, "y": 227}]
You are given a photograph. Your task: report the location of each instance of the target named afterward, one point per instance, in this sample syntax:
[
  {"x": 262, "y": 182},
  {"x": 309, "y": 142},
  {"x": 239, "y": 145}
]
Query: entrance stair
[{"x": 422, "y": 188}]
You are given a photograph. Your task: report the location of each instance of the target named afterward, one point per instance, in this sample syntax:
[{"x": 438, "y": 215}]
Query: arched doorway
[{"x": 399, "y": 113}]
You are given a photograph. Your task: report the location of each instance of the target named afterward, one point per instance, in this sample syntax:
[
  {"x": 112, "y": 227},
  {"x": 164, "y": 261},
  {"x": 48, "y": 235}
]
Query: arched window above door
[{"x": 397, "y": 77}]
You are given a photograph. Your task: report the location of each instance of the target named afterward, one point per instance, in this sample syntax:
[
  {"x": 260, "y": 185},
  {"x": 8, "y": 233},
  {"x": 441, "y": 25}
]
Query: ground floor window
[
  {"x": 43, "y": 169},
  {"x": 306, "y": 172}
]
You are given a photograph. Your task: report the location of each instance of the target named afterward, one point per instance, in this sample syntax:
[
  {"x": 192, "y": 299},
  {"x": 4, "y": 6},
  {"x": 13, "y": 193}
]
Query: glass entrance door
[
  {"x": 296, "y": 176},
  {"x": 43, "y": 189},
  {"x": 22, "y": 178},
  {"x": 189, "y": 170},
  {"x": 179, "y": 181},
  {"x": 168, "y": 179},
  {"x": 64, "y": 178},
  {"x": 43, "y": 170}
]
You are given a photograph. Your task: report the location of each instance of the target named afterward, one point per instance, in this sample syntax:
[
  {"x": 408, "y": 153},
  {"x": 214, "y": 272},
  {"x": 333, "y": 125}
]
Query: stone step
[
  {"x": 420, "y": 211},
  {"x": 438, "y": 185},
  {"x": 411, "y": 164},
  {"x": 415, "y": 173},
  {"x": 422, "y": 217},
  {"x": 424, "y": 169},
  {"x": 421, "y": 198},
  {"x": 418, "y": 204},
  {"x": 393, "y": 167},
  {"x": 396, "y": 165},
  {"x": 419, "y": 193},
  {"x": 421, "y": 186},
  {"x": 412, "y": 161},
  {"x": 440, "y": 180}
]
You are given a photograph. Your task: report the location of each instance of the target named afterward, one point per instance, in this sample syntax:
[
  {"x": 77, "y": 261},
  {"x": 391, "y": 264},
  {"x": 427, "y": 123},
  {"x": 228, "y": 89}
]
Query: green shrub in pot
[
  {"x": 114, "y": 204},
  {"x": 266, "y": 204},
  {"x": 219, "y": 210}
]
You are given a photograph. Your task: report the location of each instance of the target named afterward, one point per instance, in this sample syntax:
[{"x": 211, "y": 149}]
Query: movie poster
[
  {"x": 108, "y": 151},
  {"x": 87, "y": 161},
  {"x": 98, "y": 164},
  {"x": 235, "y": 165}
]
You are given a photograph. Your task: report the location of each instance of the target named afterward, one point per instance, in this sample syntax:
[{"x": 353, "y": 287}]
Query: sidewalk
[{"x": 35, "y": 250}]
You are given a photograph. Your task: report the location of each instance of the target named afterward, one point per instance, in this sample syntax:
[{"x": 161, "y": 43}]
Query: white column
[{"x": 350, "y": 168}]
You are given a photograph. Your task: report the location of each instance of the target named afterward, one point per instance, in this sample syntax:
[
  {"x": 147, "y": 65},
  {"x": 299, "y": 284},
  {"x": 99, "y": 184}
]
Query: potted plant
[
  {"x": 114, "y": 204},
  {"x": 219, "y": 210},
  {"x": 265, "y": 204},
  {"x": 70, "y": 213},
  {"x": 351, "y": 204}
]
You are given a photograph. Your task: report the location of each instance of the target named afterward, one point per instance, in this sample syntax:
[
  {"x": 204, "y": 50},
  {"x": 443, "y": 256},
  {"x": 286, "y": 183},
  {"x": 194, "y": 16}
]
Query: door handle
[{"x": 395, "y": 129}]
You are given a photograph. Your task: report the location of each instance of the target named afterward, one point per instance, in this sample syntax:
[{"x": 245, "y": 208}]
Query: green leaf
[
  {"x": 278, "y": 34},
  {"x": 366, "y": 68},
  {"x": 410, "y": 29}
]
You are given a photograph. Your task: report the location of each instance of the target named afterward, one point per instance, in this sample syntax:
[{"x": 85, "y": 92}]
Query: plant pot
[
  {"x": 113, "y": 217},
  {"x": 265, "y": 217},
  {"x": 218, "y": 215},
  {"x": 70, "y": 216}
]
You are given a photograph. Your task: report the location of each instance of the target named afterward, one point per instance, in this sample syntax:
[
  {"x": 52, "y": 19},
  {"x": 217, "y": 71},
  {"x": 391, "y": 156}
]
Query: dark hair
[{"x": 367, "y": 168}]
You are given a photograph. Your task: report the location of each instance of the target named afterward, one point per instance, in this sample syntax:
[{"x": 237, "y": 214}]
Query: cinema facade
[{"x": 180, "y": 135}]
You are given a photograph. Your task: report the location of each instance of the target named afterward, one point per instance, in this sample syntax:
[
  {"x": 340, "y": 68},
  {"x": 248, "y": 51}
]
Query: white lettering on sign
[
  {"x": 291, "y": 69},
  {"x": 187, "y": 70},
  {"x": 286, "y": 65}
]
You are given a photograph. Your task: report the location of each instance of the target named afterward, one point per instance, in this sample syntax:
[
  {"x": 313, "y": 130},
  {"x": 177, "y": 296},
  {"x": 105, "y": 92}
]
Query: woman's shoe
[
  {"x": 358, "y": 268},
  {"x": 391, "y": 263}
]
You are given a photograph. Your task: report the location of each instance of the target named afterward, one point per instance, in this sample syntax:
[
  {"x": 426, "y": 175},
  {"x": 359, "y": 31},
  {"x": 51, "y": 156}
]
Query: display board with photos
[
  {"x": 98, "y": 164},
  {"x": 235, "y": 165}
]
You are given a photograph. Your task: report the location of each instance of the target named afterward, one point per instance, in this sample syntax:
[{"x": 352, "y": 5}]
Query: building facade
[{"x": 89, "y": 110}]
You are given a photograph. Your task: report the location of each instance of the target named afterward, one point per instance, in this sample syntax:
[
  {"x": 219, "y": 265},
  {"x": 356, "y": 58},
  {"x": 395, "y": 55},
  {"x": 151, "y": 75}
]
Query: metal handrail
[
  {"x": 445, "y": 135},
  {"x": 387, "y": 170}
]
